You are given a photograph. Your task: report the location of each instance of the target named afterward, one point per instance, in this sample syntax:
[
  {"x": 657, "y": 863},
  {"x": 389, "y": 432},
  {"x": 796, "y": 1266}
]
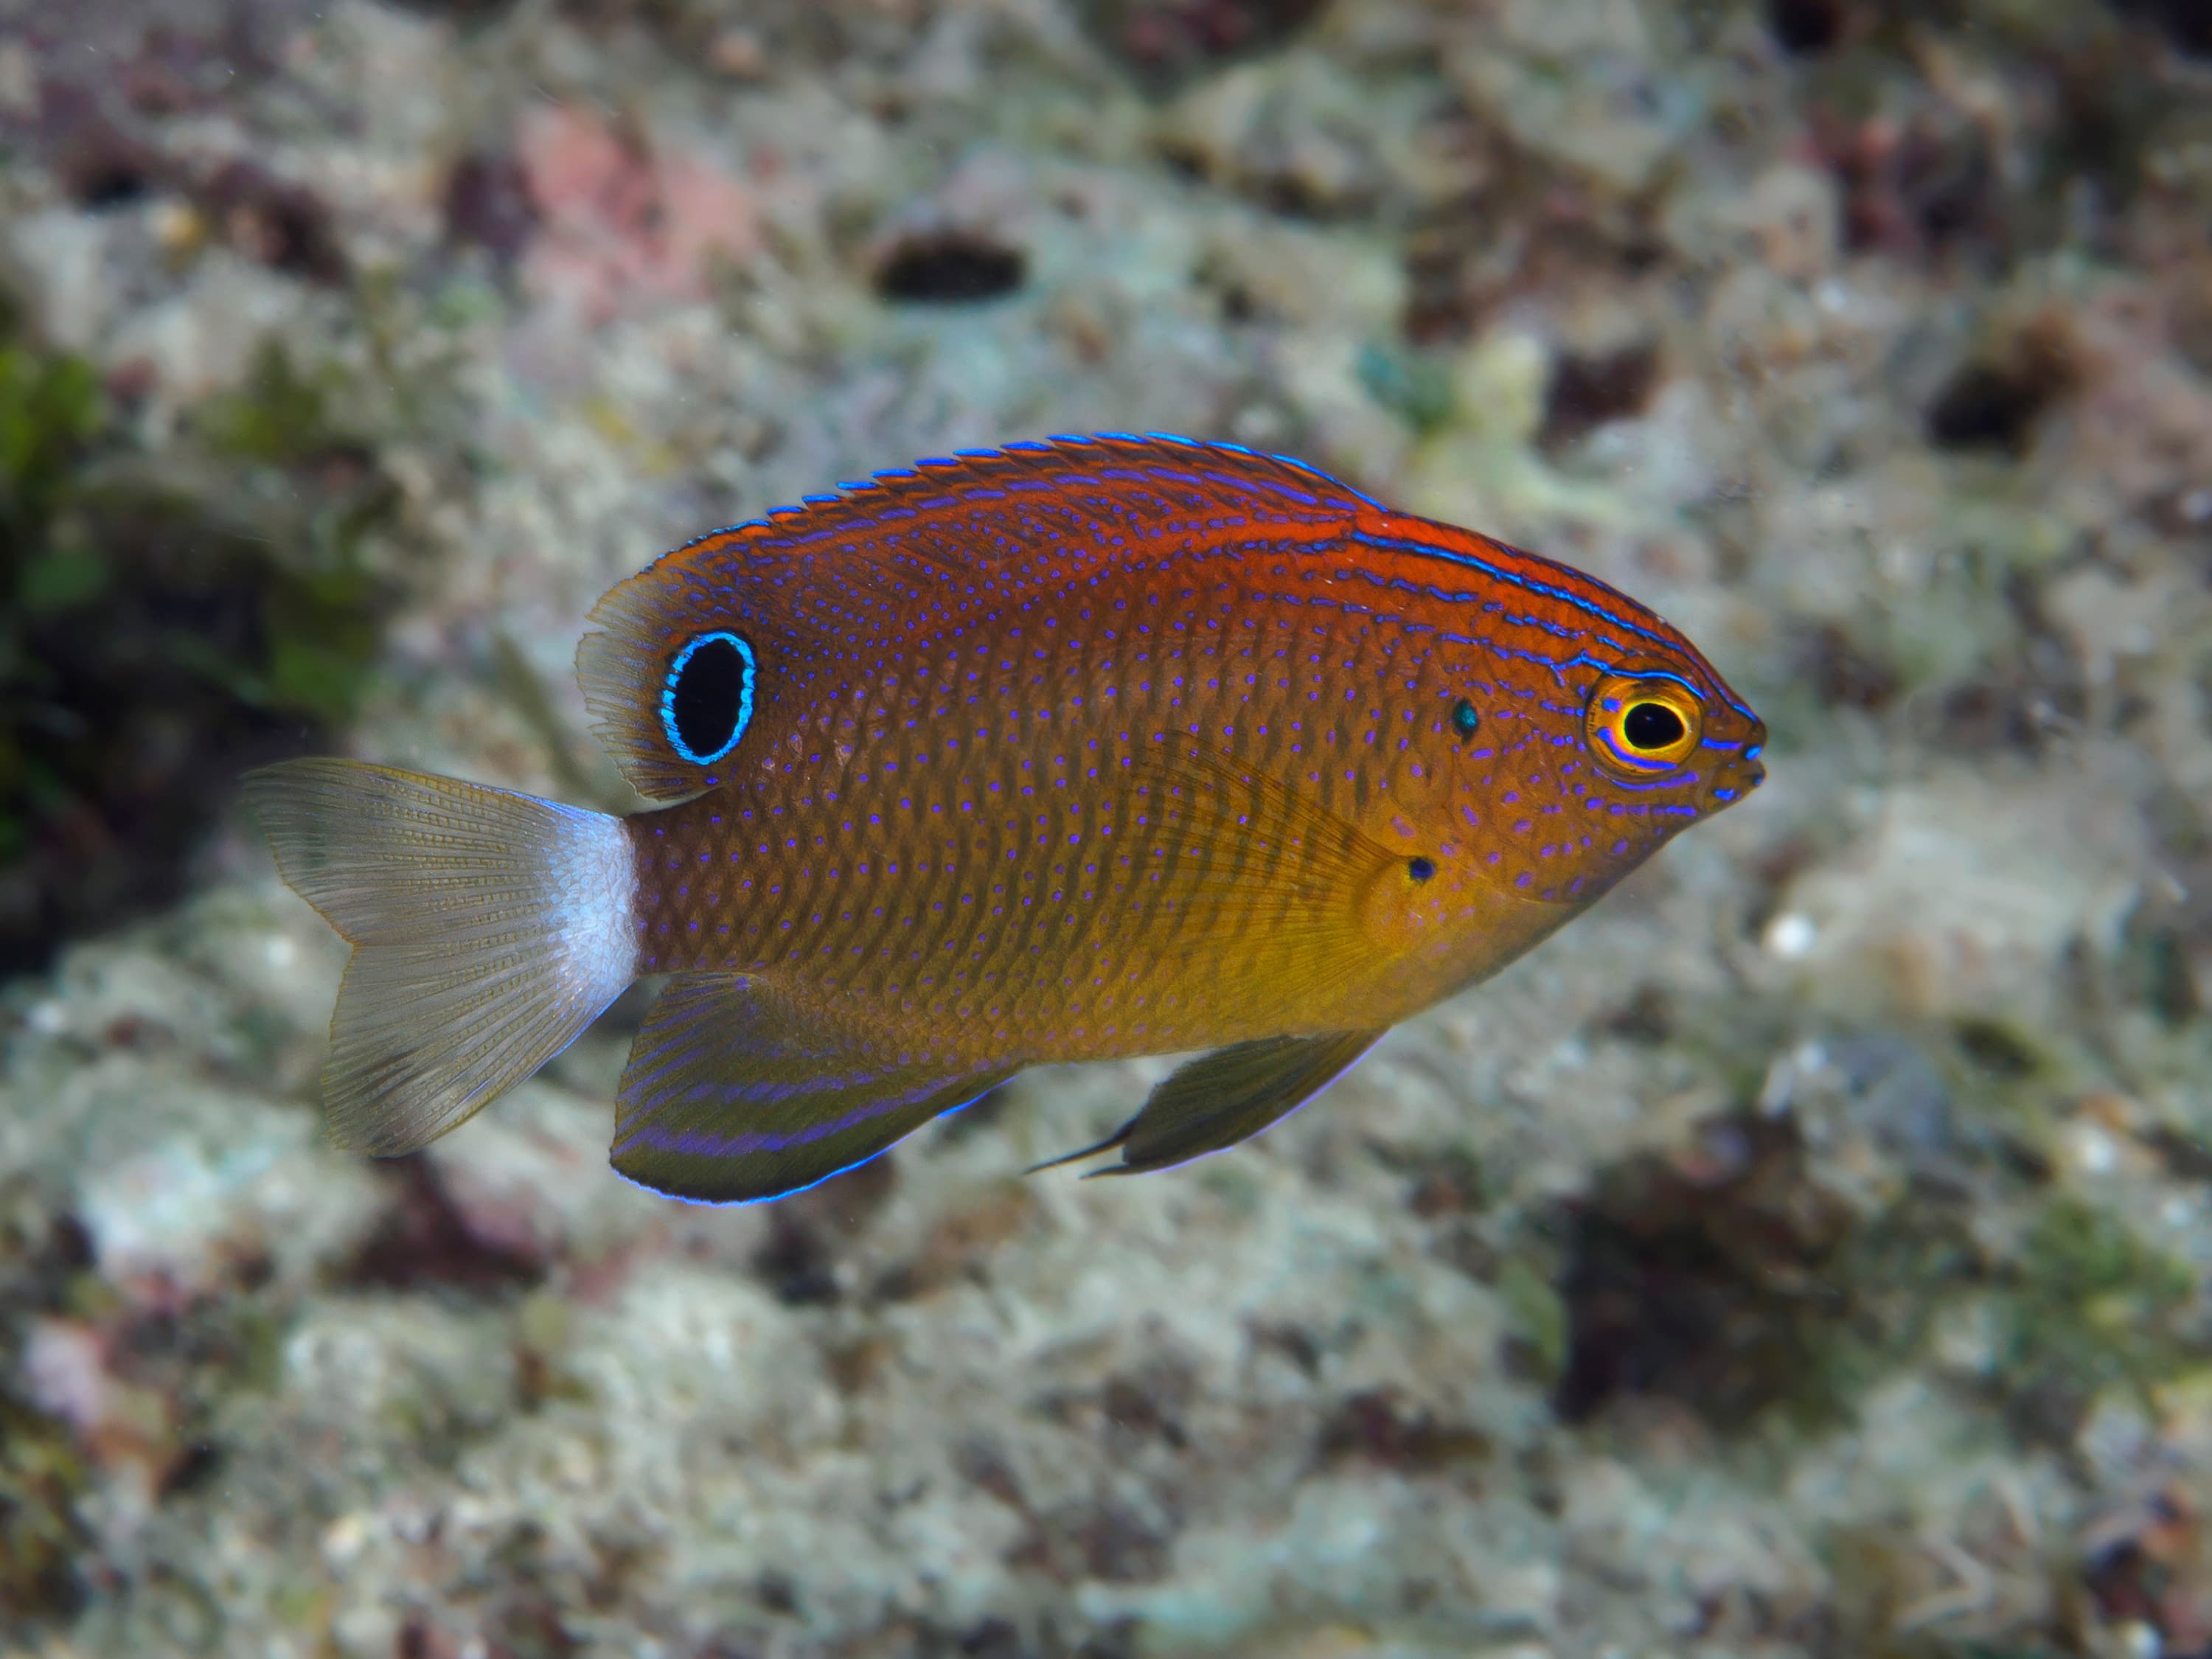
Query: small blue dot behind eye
[{"x": 745, "y": 716}]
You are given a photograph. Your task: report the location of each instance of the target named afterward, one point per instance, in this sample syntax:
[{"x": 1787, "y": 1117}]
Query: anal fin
[
  {"x": 736, "y": 1093},
  {"x": 1229, "y": 1095}
]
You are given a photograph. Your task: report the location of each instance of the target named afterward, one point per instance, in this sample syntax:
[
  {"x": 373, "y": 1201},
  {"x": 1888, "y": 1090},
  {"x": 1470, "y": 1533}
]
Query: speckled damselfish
[{"x": 1062, "y": 752}]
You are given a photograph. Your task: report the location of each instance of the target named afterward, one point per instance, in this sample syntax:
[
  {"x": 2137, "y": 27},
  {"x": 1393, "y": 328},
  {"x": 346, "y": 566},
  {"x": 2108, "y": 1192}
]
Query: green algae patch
[
  {"x": 1537, "y": 1317},
  {"x": 163, "y": 627},
  {"x": 1414, "y": 387},
  {"x": 280, "y": 417},
  {"x": 2092, "y": 1304},
  {"x": 41, "y": 1477}
]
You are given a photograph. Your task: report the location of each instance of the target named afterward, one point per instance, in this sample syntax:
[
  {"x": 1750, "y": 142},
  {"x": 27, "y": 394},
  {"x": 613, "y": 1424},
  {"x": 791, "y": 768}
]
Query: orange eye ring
[{"x": 1639, "y": 726}]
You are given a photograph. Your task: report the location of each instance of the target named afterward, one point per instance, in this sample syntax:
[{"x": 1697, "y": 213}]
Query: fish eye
[
  {"x": 1650, "y": 726},
  {"x": 1641, "y": 725},
  {"x": 1464, "y": 719},
  {"x": 706, "y": 701}
]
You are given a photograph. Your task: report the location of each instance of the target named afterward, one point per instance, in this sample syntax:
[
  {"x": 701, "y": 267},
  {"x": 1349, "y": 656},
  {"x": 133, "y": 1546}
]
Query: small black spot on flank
[
  {"x": 1420, "y": 869},
  {"x": 1652, "y": 725},
  {"x": 1464, "y": 719}
]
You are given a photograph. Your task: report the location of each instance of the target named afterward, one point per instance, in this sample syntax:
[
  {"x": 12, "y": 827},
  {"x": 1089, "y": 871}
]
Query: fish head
[
  {"x": 1651, "y": 729},
  {"x": 1568, "y": 776}
]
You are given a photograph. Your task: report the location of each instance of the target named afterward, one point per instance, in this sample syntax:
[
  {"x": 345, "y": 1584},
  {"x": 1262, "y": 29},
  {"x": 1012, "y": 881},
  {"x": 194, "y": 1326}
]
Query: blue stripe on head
[
  {"x": 1663, "y": 674},
  {"x": 1588, "y": 606},
  {"x": 1668, "y": 772}
]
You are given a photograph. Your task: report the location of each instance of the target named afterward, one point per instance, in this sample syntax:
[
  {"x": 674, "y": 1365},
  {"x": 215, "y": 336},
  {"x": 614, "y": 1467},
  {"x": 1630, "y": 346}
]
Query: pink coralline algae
[{"x": 625, "y": 223}]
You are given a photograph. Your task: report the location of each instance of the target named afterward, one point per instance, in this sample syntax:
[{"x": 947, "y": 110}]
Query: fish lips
[{"x": 1735, "y": 778}]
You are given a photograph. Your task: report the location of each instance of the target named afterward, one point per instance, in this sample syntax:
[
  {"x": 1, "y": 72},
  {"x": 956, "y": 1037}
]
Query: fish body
[{"x": 1063, "y": 752}]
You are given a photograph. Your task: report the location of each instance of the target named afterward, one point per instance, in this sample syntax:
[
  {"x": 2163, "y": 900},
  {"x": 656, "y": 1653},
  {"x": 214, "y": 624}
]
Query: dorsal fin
[{"x": 909, "y": 553}]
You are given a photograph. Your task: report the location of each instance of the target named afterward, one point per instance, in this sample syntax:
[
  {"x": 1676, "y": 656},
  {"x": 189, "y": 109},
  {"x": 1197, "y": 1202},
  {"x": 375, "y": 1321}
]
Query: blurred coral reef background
[{"x": 1806, "y": 1254}]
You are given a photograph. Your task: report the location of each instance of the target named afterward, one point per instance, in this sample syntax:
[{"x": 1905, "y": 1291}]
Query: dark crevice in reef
[
  {"x": 160, "y": 630},
  {"x": 106, "y": 156},
  {"x": 1165, "y": 44},
  {"x": 1924, "y": 176},
  {"x": 2028, "y": 695},
  {"x": 1997, "y": 397},
  {"x": 1734, "y": 1277},
  {"x": 2186, "y": 24},
  {"x": 425, "y": 1240},
  {"x": 811, "y": 1232},
  {"x": 951, "y": 268},
  {"x": 1588, "y": 389},
  {"x": 1709, "y": 1292},
  {"x": 462, "y": 11},
  {"x": 1987, "y": 406},
  {"x": 486, "y": 203},
  {"x": 1806, "y": 27},
  {"x": 1844, "y": 665}
]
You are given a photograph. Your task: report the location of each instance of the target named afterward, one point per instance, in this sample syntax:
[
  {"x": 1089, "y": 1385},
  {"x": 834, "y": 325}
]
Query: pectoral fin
[
  {"x": 1230, "y": 1095},
  {"x": 736, "y": 1091}
]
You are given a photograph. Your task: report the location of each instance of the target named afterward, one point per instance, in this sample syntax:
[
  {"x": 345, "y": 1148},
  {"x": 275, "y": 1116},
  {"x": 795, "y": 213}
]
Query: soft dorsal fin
[{"x": 912, "y": 555}]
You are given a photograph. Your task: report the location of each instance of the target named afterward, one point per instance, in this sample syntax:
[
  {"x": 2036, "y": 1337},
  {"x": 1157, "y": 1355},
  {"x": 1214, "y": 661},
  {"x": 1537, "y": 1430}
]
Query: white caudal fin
[{"x": 488, "y": 929}]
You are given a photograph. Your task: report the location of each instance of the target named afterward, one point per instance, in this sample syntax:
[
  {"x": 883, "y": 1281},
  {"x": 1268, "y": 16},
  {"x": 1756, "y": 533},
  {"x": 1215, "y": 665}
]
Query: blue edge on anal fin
[{"x": 792, "y": 1192}]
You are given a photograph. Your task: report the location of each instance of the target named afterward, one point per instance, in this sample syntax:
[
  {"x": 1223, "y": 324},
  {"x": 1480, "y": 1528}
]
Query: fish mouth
[{"x": 1738, "y": 779}]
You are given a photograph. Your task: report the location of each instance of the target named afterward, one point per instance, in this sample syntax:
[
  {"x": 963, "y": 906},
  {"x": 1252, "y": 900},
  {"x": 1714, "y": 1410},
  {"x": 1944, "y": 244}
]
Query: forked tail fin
[{"x": 488, "y": 929}]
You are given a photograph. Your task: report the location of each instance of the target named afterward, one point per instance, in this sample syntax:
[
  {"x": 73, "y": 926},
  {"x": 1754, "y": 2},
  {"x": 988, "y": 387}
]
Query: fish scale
[
  {"x": 1058, "y": 752},
  {"x": 894, "y": 771}
]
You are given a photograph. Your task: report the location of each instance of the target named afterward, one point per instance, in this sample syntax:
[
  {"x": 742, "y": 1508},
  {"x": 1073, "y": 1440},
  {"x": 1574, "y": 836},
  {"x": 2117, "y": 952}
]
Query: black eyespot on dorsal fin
[{"x": 707, "y": 699}]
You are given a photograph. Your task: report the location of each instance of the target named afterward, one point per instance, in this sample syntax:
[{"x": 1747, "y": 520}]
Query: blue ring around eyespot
[{"x": 668, "y": 698}]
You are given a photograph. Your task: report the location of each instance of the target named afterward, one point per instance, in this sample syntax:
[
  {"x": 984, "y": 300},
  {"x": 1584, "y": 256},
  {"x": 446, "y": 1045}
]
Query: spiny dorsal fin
[{"x": 911, "y": 553}]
